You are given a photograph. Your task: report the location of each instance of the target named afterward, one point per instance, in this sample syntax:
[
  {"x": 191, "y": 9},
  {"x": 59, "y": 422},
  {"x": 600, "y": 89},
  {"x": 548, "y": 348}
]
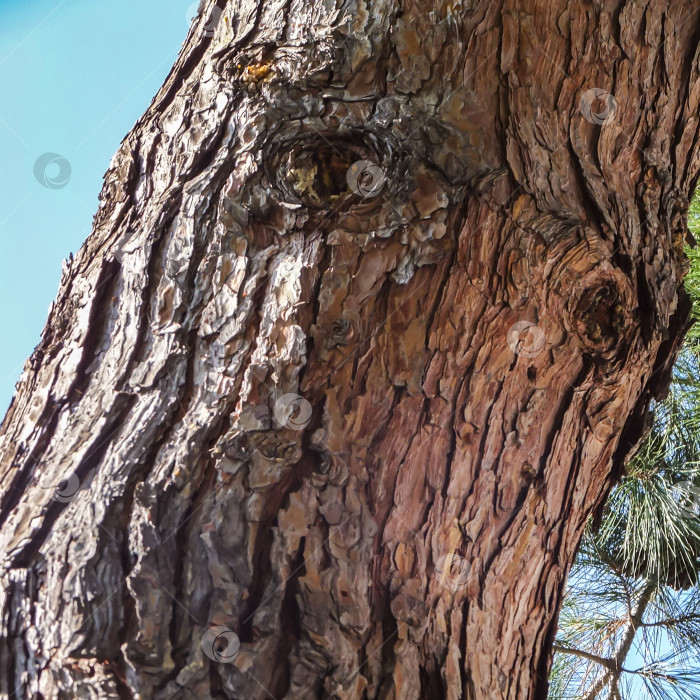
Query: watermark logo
[
  {"x": 212, "y": 22},
  {"x": 217, "y": 356},
  {"x": 452, "y": 571},
  {"x": 292, "y": 411},
  {"x": 365, "y": 178},
  {"x": 688, "y": 495},
  {"x": 64, "y": 491},
  {"x": 52, "y": 171},
  {"x": 598, "y": 106},
  {"x": 525, "y": 338},
  {"x": 221, "y": 644}
]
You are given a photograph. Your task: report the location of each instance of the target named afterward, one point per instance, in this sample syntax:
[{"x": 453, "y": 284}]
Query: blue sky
[{"x": 74, "y": 77}]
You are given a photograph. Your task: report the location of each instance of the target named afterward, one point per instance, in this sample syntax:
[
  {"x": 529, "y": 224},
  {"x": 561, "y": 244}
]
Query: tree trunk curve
[{"x": 375, "y": 303}]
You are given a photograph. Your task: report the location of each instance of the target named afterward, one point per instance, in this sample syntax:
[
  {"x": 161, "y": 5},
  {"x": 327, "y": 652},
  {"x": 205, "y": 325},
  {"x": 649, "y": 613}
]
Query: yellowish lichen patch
[{"x": 255, "y": 73}]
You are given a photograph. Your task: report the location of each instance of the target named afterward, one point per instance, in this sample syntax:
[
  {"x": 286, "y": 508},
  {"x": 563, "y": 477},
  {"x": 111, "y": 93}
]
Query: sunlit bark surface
[{"x": 376, "y": 299}]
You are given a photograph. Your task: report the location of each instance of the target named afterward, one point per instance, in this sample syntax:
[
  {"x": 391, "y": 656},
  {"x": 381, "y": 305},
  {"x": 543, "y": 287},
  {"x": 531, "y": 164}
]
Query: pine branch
[
  {"x": 614, "y": 665},
  {"x": 598, "y": 686},
  {"x": 672, "y": 621},
  {"x": 564, "y": 649},
  {"x": 632, "y": 627}
]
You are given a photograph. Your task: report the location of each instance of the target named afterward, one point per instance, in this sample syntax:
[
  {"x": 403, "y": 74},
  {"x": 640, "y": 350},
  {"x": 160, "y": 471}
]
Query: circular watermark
[
  {"x": 217, "y": 356},
  {"x": 64, "y": 491},
  {"x": 212, "y": 22},
  {"x": 452, "y": 571},
  {"x": 688, "y": 495},
  {"x": 598, "y": 106},
  {"x": 525, "y": 338},
  {"x": 292, "y": 411},
  {"x": 365, "y": 178},
  {"x": 52, "y": 171},
  {"x": 221, "y": 644},
  {"x": 192, "y": 12}
]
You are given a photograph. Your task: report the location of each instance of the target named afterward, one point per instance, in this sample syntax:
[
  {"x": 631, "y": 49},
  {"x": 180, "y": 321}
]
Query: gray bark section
[{"x": 358, "y": 423}]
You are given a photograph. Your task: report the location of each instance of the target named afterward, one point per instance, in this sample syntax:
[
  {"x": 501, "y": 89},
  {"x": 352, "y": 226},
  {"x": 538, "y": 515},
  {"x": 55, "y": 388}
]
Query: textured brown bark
[{"x": 478, "y": 338}]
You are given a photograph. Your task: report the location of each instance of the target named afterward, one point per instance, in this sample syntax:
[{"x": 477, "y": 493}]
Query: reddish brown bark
[{"x": 470, "y": 325}]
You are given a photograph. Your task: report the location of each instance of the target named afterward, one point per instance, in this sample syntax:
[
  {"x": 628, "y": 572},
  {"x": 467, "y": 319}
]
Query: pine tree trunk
[{"x": 374, "y": 306}]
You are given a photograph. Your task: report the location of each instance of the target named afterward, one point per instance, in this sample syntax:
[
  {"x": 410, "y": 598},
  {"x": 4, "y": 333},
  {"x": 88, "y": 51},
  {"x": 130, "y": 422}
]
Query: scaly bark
[{"x": 477, "y": 317}]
